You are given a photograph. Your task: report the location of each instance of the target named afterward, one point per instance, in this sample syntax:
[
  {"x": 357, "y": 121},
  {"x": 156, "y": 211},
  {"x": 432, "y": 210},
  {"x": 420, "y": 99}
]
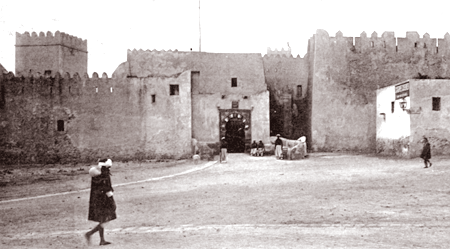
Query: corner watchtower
[{"x": 59, "y": 53}]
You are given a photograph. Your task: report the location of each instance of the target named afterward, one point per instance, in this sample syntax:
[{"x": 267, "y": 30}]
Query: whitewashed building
[{"x": 408, "y": 111}]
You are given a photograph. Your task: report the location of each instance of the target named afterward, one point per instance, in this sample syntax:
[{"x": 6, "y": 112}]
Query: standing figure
[
  {"x": 426, "y": 153},
  {"x": 102, "y": 207},
  {"x": 223, "y": 150},
  {"x": 254, "y": 148},
  {"x": 278, "y": 147},
  {"x": 261, "y": 148},
  {"x": 303, "y": 146}
]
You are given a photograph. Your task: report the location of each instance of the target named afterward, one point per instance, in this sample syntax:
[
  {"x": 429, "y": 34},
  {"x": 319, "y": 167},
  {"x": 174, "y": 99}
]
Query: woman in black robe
[
  {"x": 102, "y": 207},
  {"x": 426, "y": 153}
]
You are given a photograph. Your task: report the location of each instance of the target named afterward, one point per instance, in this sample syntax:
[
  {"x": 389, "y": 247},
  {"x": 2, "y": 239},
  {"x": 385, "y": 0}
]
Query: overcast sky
[{"x": 227, "y": 26}]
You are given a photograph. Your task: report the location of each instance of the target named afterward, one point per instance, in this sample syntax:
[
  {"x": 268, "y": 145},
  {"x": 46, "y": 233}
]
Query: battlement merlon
[
  {"x": 60, "y": 38},
  {"x": 279, "y": 52},
  {"x": 388, "y": 41}
]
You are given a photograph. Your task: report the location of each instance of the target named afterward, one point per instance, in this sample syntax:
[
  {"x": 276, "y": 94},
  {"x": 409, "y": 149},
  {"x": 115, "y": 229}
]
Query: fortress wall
[
  {"x": 102, "y": 117},
  {"x": 58, "y": 53},
  {"x": 346, "y": 76}
]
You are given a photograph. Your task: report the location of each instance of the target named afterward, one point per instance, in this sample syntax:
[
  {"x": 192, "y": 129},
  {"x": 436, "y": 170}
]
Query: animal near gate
[{"x": 235, "y": 126}]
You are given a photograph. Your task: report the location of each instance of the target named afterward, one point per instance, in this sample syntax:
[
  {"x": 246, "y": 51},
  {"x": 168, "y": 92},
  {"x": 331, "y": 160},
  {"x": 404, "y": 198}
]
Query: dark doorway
[
  {"x": 235, "y": 136},
  {"x": 235, "y": 127}
]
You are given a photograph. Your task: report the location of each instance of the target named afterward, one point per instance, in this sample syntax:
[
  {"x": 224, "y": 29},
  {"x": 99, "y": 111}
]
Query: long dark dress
[
  {"x": 101, "y": 207},
  {"x": 426, "y": 152}
]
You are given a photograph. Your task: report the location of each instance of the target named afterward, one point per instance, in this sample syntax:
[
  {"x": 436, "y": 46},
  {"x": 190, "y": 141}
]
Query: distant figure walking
[
  {"x": 254, "y": 149},
  {"x": 102, "y": 207},
  {"x": 261, "y": 148},
  {"x": 278, "y": 147},
  {"x": 426, "y": 153},
  {"x": 223, "y": 150}
]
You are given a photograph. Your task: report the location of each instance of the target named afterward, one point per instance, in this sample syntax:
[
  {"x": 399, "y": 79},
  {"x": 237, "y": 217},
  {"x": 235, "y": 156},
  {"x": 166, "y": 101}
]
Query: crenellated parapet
[
  {"x": 53, "y": 85},
  {"x": 282, "y": 52},
  {"x": 281, "y": 57},
  {"x": 388, "y": 42},
  {"x": 154, "y": 52},
  {"x": 60, "y": 38}
]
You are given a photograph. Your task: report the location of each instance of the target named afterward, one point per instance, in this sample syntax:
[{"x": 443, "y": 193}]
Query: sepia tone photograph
[{"x": 224, "y": 124}]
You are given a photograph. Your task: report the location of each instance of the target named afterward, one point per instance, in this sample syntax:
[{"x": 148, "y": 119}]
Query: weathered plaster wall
[
  {"x": 393, "y": 128},
  {"x": 213, "y": 86},
  {"x": 72, "y": 60},
  {"x": 59, "y": 53},
  {"x": 346, "y": 75},
  {"x": 102, "y": 116},
  {"x": 216, "y": 69},
  {"x": 205, "y": 115},
  {"x": 426, "y": 122},
  {"x": 288, "y": 113}
]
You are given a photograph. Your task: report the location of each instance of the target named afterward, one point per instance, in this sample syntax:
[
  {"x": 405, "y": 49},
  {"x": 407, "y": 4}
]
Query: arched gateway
[{"x": 235, "y": 126}]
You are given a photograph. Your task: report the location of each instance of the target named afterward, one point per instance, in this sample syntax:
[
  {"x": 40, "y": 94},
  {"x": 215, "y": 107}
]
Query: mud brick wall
[
  {"x": 346, "y": 72},
  {"x": 434, "y": 124},
  {"x": 59, "y": 53},
  {"x": 288, "y": 106},
  {"x": 103, "y": 117},
  {"x": 211, "y": 88}
]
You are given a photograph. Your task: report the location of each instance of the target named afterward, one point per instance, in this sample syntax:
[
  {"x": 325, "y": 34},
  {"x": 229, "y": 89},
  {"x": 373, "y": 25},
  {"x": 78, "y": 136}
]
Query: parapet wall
[
  {"x": 60, "y": 38},
  {"x": 345, "y": 73},
  {"x": 393, "y": 44},
  {"x": 125, "y": 119},
  {"x": 287, "y": 80},
  {"x": 281, "y": 52}
]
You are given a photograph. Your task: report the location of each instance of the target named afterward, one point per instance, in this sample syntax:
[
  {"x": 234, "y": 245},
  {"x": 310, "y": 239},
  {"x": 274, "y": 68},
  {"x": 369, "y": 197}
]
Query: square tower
[{"x": 60, "y": 53}]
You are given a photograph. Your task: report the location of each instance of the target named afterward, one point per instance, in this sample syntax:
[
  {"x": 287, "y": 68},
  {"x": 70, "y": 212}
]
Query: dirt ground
[{"x": 326, "y": 201}]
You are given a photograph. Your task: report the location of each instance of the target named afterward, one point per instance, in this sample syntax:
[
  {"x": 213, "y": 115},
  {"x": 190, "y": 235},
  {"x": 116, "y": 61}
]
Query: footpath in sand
[{"x": 328, "y": 200}]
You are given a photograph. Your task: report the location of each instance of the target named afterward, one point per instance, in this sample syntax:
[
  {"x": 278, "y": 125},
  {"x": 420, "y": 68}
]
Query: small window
[
  {"x": 299, "y": 91},
  {"x": 233, "y": 82},
  {"x": 48, "y": 72},
  {"x": 174, "y": 90},
  {"x": 69, "y": 89},
  {"x": 60, "y": 124},
  {"x": 436, "y": 103},
  {"x": 371, "y": 44},
  {"x": 392, "y": 106},
  {"x": 195, "y": 76},
  {"x": 153, "y": 98},
  {"x": 415, "y": 44},
  {"x": 111, "y": 89},
  {"x": 234, "y": 104}
]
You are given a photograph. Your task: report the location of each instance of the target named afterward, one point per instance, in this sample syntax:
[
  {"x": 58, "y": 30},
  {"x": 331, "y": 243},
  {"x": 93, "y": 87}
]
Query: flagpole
[{"x": 199, "y": 30}]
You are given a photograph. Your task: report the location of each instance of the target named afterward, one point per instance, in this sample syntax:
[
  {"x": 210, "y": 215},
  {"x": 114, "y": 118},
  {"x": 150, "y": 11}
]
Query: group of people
[
  {"x": 296, "y": 149},
  {"x": 257, "y": 148}
]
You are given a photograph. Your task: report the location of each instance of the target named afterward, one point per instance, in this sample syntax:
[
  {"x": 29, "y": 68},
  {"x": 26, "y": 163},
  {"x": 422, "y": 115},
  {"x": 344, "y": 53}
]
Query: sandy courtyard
[{"x": 326, "y": 201}]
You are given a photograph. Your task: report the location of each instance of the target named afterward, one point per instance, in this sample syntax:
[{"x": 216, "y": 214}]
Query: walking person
[
  {"x": 102, "y": 207},
  {"x": 278, "y": 147},
  {"x": 223, "y": 150},
  {"x": 426, "y": 153}
]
